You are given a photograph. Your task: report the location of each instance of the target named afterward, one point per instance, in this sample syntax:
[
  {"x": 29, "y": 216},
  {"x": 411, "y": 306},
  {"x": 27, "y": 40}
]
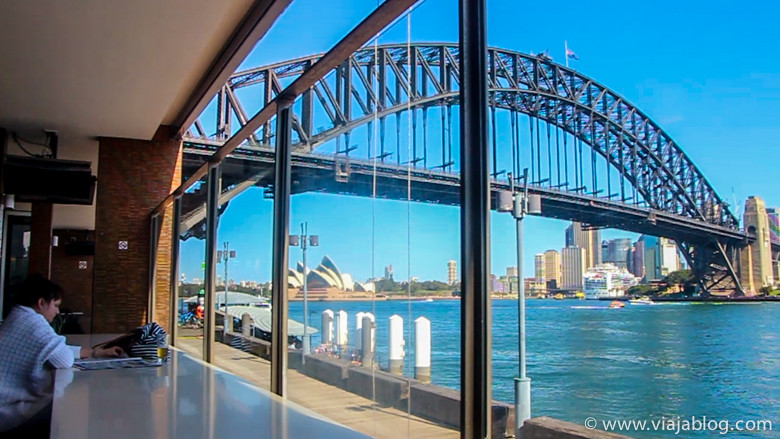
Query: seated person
[{"x": 31, "y": 350}]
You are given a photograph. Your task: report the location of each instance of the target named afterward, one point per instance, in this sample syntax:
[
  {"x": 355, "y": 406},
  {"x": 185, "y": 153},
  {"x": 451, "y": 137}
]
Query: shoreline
[{"x": 378, "y": 299}]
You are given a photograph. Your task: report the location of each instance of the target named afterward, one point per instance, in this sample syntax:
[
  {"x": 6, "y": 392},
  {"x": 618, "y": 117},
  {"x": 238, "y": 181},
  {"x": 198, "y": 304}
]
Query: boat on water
[
  {"x": 558, "y": 296},
  {"x": 644, "y": 300},
  {"x": 616, "y": 304},
  {"x": 607, "y": 282}
]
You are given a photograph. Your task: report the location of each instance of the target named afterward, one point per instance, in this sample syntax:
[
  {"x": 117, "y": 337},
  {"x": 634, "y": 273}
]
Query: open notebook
[{"x": 113, "y": 363}]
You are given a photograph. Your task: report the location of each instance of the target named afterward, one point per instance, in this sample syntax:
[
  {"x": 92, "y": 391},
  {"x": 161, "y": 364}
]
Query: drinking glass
[{"x": 162, "y": 347}]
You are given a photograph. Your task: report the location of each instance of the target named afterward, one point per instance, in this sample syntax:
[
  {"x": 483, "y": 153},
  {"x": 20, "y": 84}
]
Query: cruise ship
[{"x": 607, "y": 281}]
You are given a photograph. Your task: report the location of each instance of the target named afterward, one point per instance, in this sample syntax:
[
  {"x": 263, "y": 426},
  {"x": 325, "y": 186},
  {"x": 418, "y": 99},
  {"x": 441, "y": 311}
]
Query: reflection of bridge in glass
[{"x": 386, "y": 120}]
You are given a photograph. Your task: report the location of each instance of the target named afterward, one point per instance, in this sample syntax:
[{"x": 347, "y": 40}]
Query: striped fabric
[{"x": 147, "y": 336}]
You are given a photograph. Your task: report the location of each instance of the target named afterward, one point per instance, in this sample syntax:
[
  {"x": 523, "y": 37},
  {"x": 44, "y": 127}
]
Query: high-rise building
[
  {"x": 590, "y": 240},
  {"x": 617, "y": 252},
  {"x": 573, "y": 264},
  {"x": 511, "y": 271},
  {"x": 670, "y": 257},
  {"x": 539, "y": 266},
  {"x": 389, "y": 272},
  {"x": 757, "y": 271},
  {"x": 452, "y": 272},
  {"x": 552, "y": 267},
  {"x": 660, "y": 257},
  {"x": 638, "y": 259}
]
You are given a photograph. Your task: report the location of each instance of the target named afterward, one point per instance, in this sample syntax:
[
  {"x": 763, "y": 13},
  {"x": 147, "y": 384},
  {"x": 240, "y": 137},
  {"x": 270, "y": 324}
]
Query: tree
[
  {"x": 680, "y": 277},
  {"x": 641, "y": 290}
]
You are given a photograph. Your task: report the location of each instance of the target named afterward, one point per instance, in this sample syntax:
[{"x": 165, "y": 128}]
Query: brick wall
[
  {"x": 74, "y": 273},
  {"x": 135, "y": 175}
]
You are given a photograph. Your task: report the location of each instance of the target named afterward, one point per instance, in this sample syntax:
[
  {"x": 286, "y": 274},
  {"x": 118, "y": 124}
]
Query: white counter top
[{"x": 184, "y": 398}]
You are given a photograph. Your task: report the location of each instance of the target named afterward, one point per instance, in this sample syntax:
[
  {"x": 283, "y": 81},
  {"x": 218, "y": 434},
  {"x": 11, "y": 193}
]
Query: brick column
[
  {"x": 133, "y": 177},
  {"x": 40, "y": 239}
]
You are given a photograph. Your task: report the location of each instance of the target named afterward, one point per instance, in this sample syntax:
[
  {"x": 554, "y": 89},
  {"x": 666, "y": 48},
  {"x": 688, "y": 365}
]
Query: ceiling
[{"x": 90, "y": 68}]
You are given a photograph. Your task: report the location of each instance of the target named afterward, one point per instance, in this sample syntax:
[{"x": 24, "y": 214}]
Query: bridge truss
[{"x": 393, "y": 109}]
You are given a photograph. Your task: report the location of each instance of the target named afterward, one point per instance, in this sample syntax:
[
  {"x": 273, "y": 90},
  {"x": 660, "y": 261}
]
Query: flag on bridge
[{"x": 569, "y": 53}]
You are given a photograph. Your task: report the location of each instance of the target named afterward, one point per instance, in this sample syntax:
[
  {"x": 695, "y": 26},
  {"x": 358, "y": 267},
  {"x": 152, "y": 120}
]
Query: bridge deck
[
  {"x": 346, "y": 408},
  {"x": 316, "y": 173}
]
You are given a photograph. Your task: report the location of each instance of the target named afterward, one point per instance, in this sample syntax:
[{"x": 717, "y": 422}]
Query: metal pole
[
  {"x": 212, "y": 216},
  {"x": 225, "y": 315},
  {"x": 475, "y": 222},
  {"x": 306, "y": 341},
  {"x": 522, "y": 383},
  {"x": 281, "y": 253}
]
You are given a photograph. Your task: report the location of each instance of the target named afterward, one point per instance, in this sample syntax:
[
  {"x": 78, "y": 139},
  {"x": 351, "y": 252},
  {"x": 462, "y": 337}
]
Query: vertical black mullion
[
  {"x": 494, "y": 157},
  {"x": 475, "y": 223},
  {"x": 281, "y": 232},
  {"x": 154, "y": 241},
  {"x": 174, "y": 305},
  {"x": 212, "y": 208}
]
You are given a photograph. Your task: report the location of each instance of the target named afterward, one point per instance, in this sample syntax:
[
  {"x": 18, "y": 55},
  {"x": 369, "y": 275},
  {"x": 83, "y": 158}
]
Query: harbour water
[{"x": 657, "y": 362}]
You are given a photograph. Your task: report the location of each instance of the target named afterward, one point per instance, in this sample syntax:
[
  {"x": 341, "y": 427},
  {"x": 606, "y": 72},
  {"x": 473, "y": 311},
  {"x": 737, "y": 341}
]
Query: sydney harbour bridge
[{"x": 385, "y": 124}]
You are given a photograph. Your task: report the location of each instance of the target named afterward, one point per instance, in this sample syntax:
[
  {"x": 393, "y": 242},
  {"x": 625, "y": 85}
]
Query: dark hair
[{"x": 37, "y": 287}]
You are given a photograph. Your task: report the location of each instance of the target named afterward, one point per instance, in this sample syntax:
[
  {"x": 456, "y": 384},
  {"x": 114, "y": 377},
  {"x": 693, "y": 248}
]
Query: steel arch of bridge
[{"x": 378, "y": 82}]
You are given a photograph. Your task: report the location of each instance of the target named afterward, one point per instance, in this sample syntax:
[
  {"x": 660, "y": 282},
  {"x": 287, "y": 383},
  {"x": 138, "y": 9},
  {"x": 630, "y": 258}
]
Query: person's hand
[{"x": 111, "y": 352}]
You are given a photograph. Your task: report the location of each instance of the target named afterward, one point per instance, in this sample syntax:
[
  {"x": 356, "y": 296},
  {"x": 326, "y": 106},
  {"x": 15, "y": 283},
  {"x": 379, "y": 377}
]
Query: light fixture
[{"x": 9, "y": 201}]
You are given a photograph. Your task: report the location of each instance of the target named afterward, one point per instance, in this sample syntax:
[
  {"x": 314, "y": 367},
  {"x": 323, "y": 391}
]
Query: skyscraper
[
  {"x": 638, "y": 259},
  {"x": 452, "y": 272},
  {"x": 756, "y": 261},
  {"x": 590, "y": 240},
  {"x": 511, "y": 271},
  {"x": 539, "y": 272},
  {"x": 573, "y": 264},
  {"x": 552, "y": 267},
  {"x": 389, "y": 272},
  {"x": 617, "y": 252},
  {"x": 660, "y": 257}
]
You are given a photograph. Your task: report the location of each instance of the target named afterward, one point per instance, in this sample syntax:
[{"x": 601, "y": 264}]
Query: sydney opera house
[{"x": 325, "y": 281}]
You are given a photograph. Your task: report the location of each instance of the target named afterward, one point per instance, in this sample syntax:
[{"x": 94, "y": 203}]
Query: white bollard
[
  {"x": 373, "y": 330},
  {"x": 422, "y": 349},
  {"x": 327, "y": 327},
  {"x": 246, "y": 325},
  {"x": 396, "y": 341},
  {"x": 342, "y": 330},
  {"x": 368, "y": 327},
  {"x": 358, "y": 330}
]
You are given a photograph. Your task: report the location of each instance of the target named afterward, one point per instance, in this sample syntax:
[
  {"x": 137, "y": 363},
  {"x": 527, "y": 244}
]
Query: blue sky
[{"x": 707, "y": 76}]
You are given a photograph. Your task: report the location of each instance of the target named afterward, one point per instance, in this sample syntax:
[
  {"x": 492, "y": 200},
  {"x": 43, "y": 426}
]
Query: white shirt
[{"x": 30, "y": 350}]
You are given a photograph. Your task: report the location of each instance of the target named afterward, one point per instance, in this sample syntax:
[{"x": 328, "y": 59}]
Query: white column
[
  {"x": 373, "y": 330},
  {"x": 342, "y": 330},
  {"x": 368, "y": 327},
  {"x": 358, "y": 330},
  {"x": 327, "y": 327},
  {"x": 396, "y": 341},
  {"x": 422, "y": 349}
]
